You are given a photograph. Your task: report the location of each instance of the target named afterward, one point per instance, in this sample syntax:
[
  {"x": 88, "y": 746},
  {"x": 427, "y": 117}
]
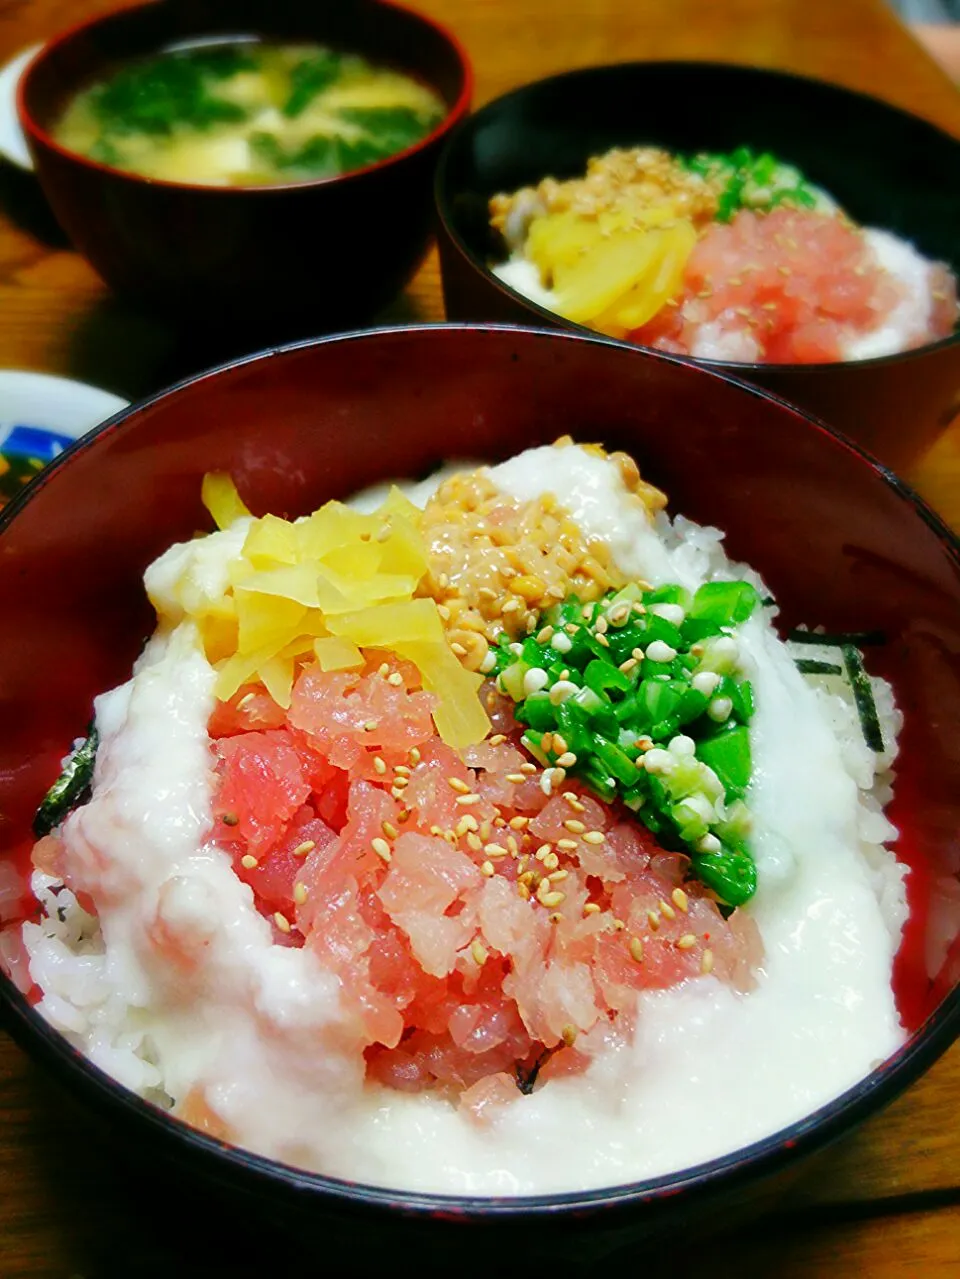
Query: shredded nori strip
[
  {"x": 858, "y": 639},
  {"x": 808, "y": 666},
  {"x": 71, "y": 788},
  {"x": 526, "y": 1079},
  {"x": 863, "y": 696}
]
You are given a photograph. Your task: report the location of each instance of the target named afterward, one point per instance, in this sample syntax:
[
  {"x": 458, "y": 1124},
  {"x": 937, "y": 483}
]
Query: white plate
[
  {"x": 40, "y": 415},
  {"x": 13, "y": 145}
]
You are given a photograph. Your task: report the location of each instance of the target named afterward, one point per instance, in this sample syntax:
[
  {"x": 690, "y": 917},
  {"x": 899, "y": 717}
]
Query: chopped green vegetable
[
  {"x": 159, "y": 94},
  {"x": 310, "y": 77},
  {"x": 70, "y": 788},
  {"x": 754, "y": 181},
  {"x": 640, "y": 695}
]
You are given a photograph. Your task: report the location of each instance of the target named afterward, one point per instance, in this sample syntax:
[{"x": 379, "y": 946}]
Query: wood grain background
[{"x": 883, "y": 1203}]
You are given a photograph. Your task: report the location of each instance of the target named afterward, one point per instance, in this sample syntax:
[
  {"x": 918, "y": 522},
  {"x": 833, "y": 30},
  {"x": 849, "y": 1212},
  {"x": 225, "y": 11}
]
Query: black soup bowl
[
  {"x": 842, "y": 543},
  {"x": 887, "y": 168}
]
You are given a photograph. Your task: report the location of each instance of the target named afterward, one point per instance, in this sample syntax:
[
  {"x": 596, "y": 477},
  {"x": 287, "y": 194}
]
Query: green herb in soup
[{"x": 248, "y": 113}]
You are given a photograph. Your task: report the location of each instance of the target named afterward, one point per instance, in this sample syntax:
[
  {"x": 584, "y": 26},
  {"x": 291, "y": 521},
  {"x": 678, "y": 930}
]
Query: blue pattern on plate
[{"x": 35, "y": 441}]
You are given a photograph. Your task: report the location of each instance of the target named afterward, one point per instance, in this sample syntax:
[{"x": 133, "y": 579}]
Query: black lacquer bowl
[{"x": 887, "y": 168}]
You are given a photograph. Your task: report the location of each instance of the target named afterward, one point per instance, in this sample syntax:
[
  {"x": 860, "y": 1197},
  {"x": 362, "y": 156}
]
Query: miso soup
[{"x": 248, "y": 113}]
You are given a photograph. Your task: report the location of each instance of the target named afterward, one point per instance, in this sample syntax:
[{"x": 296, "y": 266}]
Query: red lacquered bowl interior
[{"x": 838, "y": 540}]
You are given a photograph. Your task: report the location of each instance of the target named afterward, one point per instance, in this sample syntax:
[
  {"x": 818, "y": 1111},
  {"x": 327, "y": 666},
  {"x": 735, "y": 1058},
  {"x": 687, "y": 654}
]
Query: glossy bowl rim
[
  {"x": 44, "y": 140},
  {"x": 443, "y": 195},
  {"x": 750, "y": 1163}
]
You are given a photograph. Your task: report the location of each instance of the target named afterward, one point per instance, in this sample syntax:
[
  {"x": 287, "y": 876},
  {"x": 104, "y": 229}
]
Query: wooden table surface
[{"x": 883, "y": 1203}]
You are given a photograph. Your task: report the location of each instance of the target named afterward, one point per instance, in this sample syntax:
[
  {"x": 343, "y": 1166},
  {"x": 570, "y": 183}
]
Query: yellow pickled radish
[
  {"x": 416, "y": 633},
  {"x": 606, "y": 273},
  {"x": 324, "y": 588},
  {"x": 219, "y": 495},
  {"x": 271, "y": 541},
  {"x": 334, "y": 653},
  {"x": 642, "y": 302}
]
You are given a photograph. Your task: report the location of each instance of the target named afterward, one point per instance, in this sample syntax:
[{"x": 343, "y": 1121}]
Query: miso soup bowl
[
  {"x": 887, "y": 168},
  {"x": 268, "y": 258},
  {"x": 836, "y": 537}
]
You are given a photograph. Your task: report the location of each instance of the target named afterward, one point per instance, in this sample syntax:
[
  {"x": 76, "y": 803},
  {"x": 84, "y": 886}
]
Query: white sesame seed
[
  {"x": 474, "y": 842},
  {"x": 687, "y": 942},
  {"x": 487, "y": 869},
  {"x": 659, "y": 651},
  {"x": 559, "y": 744},
  {"x": 413, "y": 754},
  {"x": 307, "y": 846},
  {"x": 706, "y": 962},
  {"x": 248, "y": 862},
  {"x": 370, "y": 725},
  {"x": 568, "y": 845},
  {"x": 516, "y": 778},
  {"x": 381, "y": 848},
  {"x": 636, "y": 949},
  {"x": 591, "y": 908},
  {"x": 575, "y": 826},
  {"x": 478, "y": 951},
  {"x": 680, "y": 900},
  {"x": 528, "y": 768},
  {"x": 653, "y": 919},
  {"x": 498, "y": 739},
  {"x": 518, "y": 822},
  {"x": 282, "y": 922},
  {"x": 494, "y": 850},
  {"x": 457, "y": 784},
  {"x": 396, "y": 679},
  {"x": 389, "y": 830},
  {"x": 379, "y": 765},
  {"x": 402, "y": 770},
  {"x": 666, "y": 910},
  {"x": 467, "y": 799},
  {"x": 567, "y": 760},
  {"x": 299, "y": 893}
]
